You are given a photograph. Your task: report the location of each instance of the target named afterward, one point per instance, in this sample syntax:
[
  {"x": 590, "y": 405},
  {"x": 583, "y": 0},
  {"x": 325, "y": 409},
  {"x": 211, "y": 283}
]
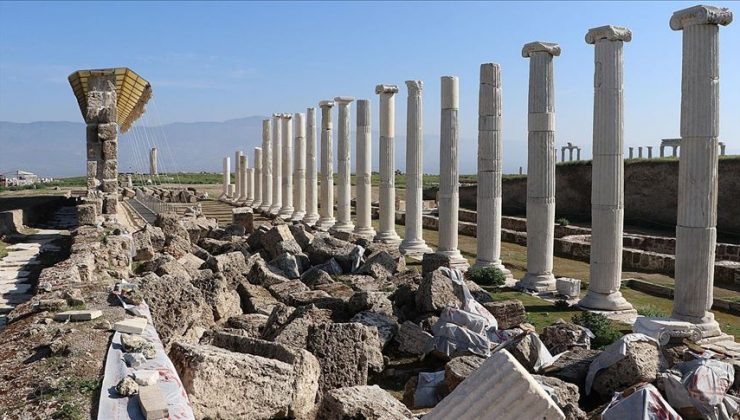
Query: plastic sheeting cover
[
  {"x": 703, "y": 384},
  {"x": 426, "y": 394},
  {"x": 644, "y": 403}
]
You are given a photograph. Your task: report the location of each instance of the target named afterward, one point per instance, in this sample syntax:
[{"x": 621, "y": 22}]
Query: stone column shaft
[
  {"x": 238, "y": 176},
  {"x": 650, "y": 152},
  {"x": 286, "y": 211},
  {"x": 299, "y": 170},
  {"x": 344, "y": 169},
  {"x": 277, "y": 164},
  {"x": 696, "y": 232},
  {"x": 242, "y": 178},
  {"x": 257, "y": 202},
  {"x": 449, "y": 180},
  {"x": 540, "y": 167},
  {"x": 607, "y": 185},
  {"x": 413, "y": 241},
  {"x": 312, "y": 190},
  {"x": 326, "y": 220},
  {"x": 490, "y": 162},
  {"x": 250, "y": 187},
  {"x": 102, "y": 142},
  {"x": 387, "y": 231},
  {"x": 266, "y": 166},
  {"x": 364, "y": 170},
  {"x": 227, "y": 176},
  {"x": 153, "y": 162}
]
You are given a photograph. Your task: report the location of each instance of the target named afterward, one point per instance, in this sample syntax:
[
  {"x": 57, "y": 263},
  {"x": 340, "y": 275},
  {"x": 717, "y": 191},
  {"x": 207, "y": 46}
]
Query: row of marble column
[{"x": 695, "y": 233}]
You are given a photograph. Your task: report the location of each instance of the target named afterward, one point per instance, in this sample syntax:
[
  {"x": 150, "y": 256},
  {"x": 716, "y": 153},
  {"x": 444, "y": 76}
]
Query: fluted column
[
  {"x": 237, "y": 176},
  {"x": 286, "y": 210},
  {"x": 266, "y": 166},
  {"x": 326, "y": 219},
  {"x": 490, "y": 162},
  {"x": 607, "y": 178},
  {"x": 153, "y": 171},
  {"x": 540, "y": 167},
  {"x": 344, "y": 150},
  {"x": 413, "y": 241},
  {"x": 299, "y": 170},
  {"x": 363, "y": 170},
  {"x": 387, "y": 231},
  {"x": 277, "y": 164},
  {"x": 257, "y": 178},
  {"x": 650, "y": 152},
  {"x": 250, "y": 187},
  {"x": 227, "y": 177},
  {"x": 696, "y": 232},
  {"x": 243, "y": 164},
  {"x": 312, "y": 190},
  {"x": 449, "y": 196}
]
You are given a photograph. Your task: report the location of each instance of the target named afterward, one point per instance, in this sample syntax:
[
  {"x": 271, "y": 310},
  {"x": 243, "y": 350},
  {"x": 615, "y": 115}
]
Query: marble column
[
  {"x": 299, "y": 169},
  {"x": 344, "y": 170},
  {"x": 363, "y": 170},
  {"x": 413, "y": 242},
  {"x": 243, "y": 179},
  {"x": 227, "y": 176},
  {"x": 650, "y": 152},
  {"x": 562, "y": 154},
  {"x": 286, "y": 211},
  {"x": 662, "y": 151},
  {"x": 632, "y": 153},
  {"x": 237, "y": 176},
  {"x": 722, "y": 149},
  {"x": 250, "y": 187},
  {"x": 639, "y": 152},
  {"x": 578, "y": 153},
  {"x": 674, "y": 151},
  {"x": 257, "y": 177},
  {"x": 387, "y": 231},
  {"x": 266, "y": 166},
  {"x": 570, "y": 154},
  {"x": 153, "y": 171},
  {"x": 449, "y": 180},
  {"x": 696, "y": 231},
  {"x": 540, "y": 167},
  {"x": 312, "y": 190},
  {"x": 326, "y": 219},
  {"x": 277, "y": 164},
  {"x": 607, "y": 185},
  {"x": 490, "y": 169}
]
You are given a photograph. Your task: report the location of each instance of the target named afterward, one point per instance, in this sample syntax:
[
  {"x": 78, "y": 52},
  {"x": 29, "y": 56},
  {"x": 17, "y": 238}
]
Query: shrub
[
  {"x": 601, "y": 326},
  {"x": 562, "y": 221},
  {"x": 651, "y": 311},
  {"x": 487, "y": 276},
  {"x": 562, "y": 304}
]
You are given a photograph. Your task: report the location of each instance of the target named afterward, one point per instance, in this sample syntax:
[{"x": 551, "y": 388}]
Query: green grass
[{"x": 3, "y": 250}]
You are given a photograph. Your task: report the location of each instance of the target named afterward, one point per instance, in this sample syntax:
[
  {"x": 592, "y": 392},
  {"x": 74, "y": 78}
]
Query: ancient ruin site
[{"x": 400, "y": 230}]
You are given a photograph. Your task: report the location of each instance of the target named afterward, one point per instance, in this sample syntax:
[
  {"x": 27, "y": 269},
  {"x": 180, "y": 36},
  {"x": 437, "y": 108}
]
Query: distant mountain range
[{"x": 57, "y": 149}]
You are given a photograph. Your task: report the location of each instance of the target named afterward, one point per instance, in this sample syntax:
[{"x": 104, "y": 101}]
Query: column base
[
  {"x": 456, "y": 259},
  {"x": 311, "y": 218},
  {"x": 274, "y": 209},
  {"x": 343, "y": 227},
  {"x": 365, "y": 232},
  {"x": 604, "y": 301},
  {"x": 256, "y": 205},
  {"x": 325, "y": 223},
  {"x": 247, "y": 203},
  {"x": 707, "y": 324},
  {"x": 286, "y": 212},
  {"x": 496, "y": 264},
  {"x": 264, "y": 208},
  {"x": 297, "y": 216},
  {"x": 537, "y": 282},
  {"x": 414, "y": 247},
  {"x": 391, "y": 238}
]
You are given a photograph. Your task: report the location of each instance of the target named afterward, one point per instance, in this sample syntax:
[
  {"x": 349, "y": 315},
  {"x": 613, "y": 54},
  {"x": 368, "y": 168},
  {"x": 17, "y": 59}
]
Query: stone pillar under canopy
[
  {"x": 607, "y": 179},
  {"x": 266, "y": 166},
  {"x": 449, "y": 181},
  {"x": 696, "y": 231},
  {"x": 344, "y": 170},
  {"x": 299, "y": 168},
  {"x": 387, "y": 117},
  {"x": 540, "y": 167},
  {"x": 326, "y": 219},
  {"x": 286, "y": 211},
  {"x": 277, "y": 164},
  {"x": 364, "y": 151},
  {"x": 312, "y": 188},
  {"x": 102, "y": 142}
]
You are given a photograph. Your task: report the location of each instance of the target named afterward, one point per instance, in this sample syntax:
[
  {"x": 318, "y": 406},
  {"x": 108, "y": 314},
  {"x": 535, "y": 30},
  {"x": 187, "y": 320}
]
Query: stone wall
[{"x": 650, "y": 190}]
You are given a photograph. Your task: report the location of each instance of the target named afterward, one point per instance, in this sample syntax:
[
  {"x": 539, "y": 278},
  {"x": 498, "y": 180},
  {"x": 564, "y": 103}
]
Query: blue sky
[{"x": 221, "y": 60}]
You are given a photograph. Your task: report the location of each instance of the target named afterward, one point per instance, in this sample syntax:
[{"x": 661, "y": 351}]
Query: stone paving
[{"x": 16, "y": 267}]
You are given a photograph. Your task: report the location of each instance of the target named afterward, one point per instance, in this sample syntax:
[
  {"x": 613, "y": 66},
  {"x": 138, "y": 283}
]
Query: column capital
[
  {"x": 343, "y": 100},
  {"x": 326, "y": 104},
  {"x": 700, "y": 15},
  {"x": 538, "y": 46},
  {"x": 286, "y": 116},
  {"x": 257, "y": 149},
  {"x": 610, "y": 33},
  {"x": 415, "y": 86},
  {"x": 277, "y": 115},
  {"x": 388, "y": 89}
]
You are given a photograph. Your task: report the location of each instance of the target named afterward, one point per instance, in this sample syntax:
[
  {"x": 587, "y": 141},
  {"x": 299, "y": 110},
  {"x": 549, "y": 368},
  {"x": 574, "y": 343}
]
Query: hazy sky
[{"x": 216, "y": 61}]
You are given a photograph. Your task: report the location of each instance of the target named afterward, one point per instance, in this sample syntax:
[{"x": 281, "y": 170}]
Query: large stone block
[
  {"x": 642, "y": 363},
  {"x": 499, "y": 389},
  {"x": 110, "y": 150},
  {"x": 459, "y": 368},
  {"x": 110, "y": 204},
  {"x": 437, "y": 291},
  {"x": 110, "y": 186},
  {"x": 244, "y": 217},
  {"x": 323, "y": 249},
  {"x": 362, "y": 402},
  {"x": 508, "y": 313},
  {"x": 86, "y": 214},
  {"x": 232, "y": 265},
  {"x": 110, "y": 169},
  {"x": 413, "y": 339},
  {"x": 256, "y": 299},
  {"x": 241, "y": 377},
  {"x": 107, "y": 131},
  {"x": 279, "y": 240}
]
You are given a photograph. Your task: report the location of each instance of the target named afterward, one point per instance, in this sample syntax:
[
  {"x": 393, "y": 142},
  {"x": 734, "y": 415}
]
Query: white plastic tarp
[
  {"x": 642, "y": 403},
  {"x": 426, "y": 394},
  {"x": 703, "y": 384},
  {"x": 615, "y": 352},
  {"x": 357, "y": 256}
]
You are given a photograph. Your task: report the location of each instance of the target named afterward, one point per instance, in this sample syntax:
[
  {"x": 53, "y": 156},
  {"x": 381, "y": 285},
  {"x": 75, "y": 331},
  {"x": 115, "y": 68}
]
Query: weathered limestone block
[
  {"x": 86, "y": 214},
  {"x": 213, "y": 246},
  {"x": 147, "y": 241},
  {"x": 459, "y": 368},
  {"x": 564, "y": 394},
  {"x": 171, "y": 300},
  {"x": 252, "y": 325},
  {"x": 177, "y": 246},
  {"x": 282, "y": 291},
  {"x": 412, "y": 338},
  {"x": 362, "y": 402},
  {"x": 241, "y": 377},
  {"x": 198, "y": 227},
  {"x": 335, "y": 289},
  {"x": 110, "y": 169},
  {"x": 322, "y": 249},
  {"x": 572, "y": 366},
  {"x": 432, "y": 261},
  {"x": 346, "y": 352},
  {"x": 316, "y": 277},
  {"x": 110, "y": 150},
  {"x": 508, "y": 313},
  {"x": 376, "y": 302},
  {"x": 287, "y": 264},
  {"x": 167, "y": 264},
  {"x": 294, "y": 330},
  {"x": 642, "y": 363},
  {"x": 436, "y": 292},
  {"x": 243, "y": 216},
  {"x": 279, "y": 240},
  {"x": 256, "y": 299},
  {"x": 260, "y": 272},
  {"x": 110, "y": 202},
  {"x": 499, "y": 389},
  {"x": 387, "y": 327},
  {"x": 563, "y": 336},
  {"x": 218, "y": 293},
  {"x": 382, "y": 265},
  {"x": 170, "y": 224}
]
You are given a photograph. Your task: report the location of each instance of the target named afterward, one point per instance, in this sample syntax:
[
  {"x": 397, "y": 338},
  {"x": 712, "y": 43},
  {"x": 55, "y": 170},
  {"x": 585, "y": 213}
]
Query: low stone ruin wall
[
  {"x": 18, "y": 211},
  {"x": 172, "y": 196}
]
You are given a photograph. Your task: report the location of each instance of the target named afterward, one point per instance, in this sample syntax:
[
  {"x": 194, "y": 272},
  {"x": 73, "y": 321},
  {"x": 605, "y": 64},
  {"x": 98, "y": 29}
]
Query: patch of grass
[
  {"x": 562, "y": 221},
  {"x": 651, "y": 311},
  {"x": 602, "y": 327},
  {"x": 3, "y": 250},
  {"x": 68, "y": 411}
]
